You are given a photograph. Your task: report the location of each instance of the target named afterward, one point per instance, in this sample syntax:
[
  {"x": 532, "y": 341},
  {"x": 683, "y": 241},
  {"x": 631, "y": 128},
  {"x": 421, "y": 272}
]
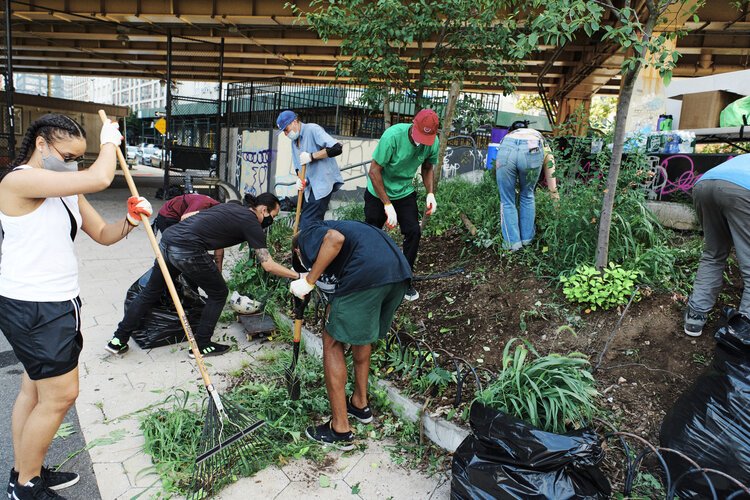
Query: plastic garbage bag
[
  {"x": 506, "y": 458},
  {"x": 710, "y": 422},
  {"x": 161, "y": 326},
  {"x": 736, "y": 114}
]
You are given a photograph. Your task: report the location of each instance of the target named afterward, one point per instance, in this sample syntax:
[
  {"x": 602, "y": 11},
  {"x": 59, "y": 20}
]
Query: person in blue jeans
[
  {"x": 312, "y": 146},
  {"x": 520, "y": 160}
]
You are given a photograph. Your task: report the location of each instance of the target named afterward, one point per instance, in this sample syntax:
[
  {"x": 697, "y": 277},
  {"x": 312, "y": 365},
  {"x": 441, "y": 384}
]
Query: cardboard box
[{"x": 702, "y": 109}]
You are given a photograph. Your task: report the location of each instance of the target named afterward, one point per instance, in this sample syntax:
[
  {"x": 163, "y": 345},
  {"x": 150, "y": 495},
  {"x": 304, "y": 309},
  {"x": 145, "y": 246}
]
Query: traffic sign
[{"x": 161, "y": 125}]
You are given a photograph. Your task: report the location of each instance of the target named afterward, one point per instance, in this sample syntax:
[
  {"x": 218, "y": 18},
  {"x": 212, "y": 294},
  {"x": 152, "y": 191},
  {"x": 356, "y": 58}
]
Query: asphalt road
[{"x": 61, "y": 449}]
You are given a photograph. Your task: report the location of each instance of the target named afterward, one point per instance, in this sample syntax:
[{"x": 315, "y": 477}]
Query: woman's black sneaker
[
  {"x": 53, "y": 479},
  {"x": 210, "y": 349},
  {"x": 324, "y": 434},
  {"x": 34, "y": 490},
  {"x": 364, "y": 415}
]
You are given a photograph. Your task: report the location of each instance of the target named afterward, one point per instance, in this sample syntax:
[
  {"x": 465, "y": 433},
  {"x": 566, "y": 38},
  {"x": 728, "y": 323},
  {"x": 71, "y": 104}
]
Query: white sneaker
[{"x": 244, "y": 305}]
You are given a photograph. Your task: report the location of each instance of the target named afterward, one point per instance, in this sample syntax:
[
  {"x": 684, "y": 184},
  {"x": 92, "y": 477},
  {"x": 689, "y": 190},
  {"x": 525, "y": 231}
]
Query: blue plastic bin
[{"x": 491, "y": 155}]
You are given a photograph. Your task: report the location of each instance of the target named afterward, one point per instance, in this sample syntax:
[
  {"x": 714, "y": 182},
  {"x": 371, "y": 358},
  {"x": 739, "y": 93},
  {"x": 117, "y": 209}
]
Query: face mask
[
  {"x": 55, "y": 164},
  {"x": 267, "y": 221},
  {"x": 293, "y": 135},
  {"x": 415, "y": 140}
]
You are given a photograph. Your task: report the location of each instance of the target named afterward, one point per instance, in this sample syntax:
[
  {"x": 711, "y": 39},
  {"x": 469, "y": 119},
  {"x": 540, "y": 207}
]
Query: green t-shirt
[{"x": 400, "y": 160}]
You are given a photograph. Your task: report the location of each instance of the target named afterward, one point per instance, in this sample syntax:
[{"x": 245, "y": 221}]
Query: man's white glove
[
  {"x": 390, "y": 213},
  {"x": 305, "y": 158},
  {"x": 110, "y": 133},
  {"x": 300, "y": 287},
  {"x": 431, "y": 204},
  {"x": 301, "y": 184}
]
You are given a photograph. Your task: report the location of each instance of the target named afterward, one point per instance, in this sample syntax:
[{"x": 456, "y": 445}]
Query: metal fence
[{"x": 7, "y": 137}]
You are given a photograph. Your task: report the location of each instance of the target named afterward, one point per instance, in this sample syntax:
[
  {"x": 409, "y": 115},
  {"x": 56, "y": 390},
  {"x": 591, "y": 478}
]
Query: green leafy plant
[
  {"x": 607, "y": 289},
  {"x": 553, "y": 392}
]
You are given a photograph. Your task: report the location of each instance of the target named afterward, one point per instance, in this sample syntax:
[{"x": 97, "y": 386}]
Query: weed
[
  {"x": 701, "y": 359},
  {"x": 551, "y": 392},
  {"x": 610, "y": 288}
]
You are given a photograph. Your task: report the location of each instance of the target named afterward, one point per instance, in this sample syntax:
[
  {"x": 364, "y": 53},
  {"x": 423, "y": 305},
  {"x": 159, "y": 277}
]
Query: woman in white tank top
[{"x": 42, "y": 207}]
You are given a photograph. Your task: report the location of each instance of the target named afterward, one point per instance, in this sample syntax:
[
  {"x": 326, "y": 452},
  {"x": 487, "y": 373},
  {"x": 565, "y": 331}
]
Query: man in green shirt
[{"x": 390, "y": 197}]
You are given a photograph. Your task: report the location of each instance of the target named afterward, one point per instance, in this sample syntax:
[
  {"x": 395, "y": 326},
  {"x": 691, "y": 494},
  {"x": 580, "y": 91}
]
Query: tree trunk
[
  {"x": 387, "y": 108},
  {"x": 605, "y": 221},
  {"x": 623, "y": 104},
  {"x": 445, "y": 130}
]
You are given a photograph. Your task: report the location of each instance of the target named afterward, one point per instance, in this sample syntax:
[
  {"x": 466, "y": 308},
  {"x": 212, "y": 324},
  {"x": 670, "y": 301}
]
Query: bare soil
[{"x": 472, "y": 315}]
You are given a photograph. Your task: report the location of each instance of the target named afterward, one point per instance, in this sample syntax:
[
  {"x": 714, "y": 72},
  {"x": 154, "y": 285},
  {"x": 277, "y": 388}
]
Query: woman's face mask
[{"x": 52, "y": 162}]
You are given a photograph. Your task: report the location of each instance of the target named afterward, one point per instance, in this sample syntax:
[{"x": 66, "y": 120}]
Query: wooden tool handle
[
  {"x": 300, "y": 195},
  {"x": 163, "y": 267}
]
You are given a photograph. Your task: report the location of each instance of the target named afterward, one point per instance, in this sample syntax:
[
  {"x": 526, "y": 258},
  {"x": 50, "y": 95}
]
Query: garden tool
[
  {"x": 292, "y": 378},
  {"x": 226, "y": 440}
]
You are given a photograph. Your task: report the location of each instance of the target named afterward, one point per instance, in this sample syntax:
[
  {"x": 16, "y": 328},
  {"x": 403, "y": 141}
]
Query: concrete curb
[{"x": 441, "y": 432}]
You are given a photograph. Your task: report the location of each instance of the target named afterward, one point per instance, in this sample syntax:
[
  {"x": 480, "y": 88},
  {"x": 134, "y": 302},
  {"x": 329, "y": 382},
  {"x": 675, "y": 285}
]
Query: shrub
[
  {"x": 553, "y": 392},
  {"x": 607, "y": 289}
]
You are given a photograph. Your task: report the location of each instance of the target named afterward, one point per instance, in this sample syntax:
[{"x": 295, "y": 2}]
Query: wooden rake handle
[
  {"x": 163, "y": 267},
  {"x": 300, "y": 195}
]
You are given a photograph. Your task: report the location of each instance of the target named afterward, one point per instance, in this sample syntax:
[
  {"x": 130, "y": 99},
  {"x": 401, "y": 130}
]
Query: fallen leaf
[{"x": 325, "y": 481}]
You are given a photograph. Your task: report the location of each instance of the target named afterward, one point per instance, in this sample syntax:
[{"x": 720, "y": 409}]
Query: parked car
[
  {"x": 155, "y": 160},
  {"x": 143, "y": 155},
  {"x": 131, "y": 152}
]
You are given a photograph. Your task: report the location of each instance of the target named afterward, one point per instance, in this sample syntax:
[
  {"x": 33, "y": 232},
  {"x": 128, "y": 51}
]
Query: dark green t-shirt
[{"x": 400, "y": 159}]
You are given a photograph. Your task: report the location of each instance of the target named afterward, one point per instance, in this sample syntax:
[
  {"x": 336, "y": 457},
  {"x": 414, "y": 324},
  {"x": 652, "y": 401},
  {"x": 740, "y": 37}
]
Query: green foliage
[
  {"x": 351, "y": 211},
  {"x": 607, "y": 289},
  {"x": 553, "y": 392}
]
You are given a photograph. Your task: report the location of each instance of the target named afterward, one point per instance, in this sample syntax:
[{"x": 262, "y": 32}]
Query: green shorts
[{"x": 361, "y": 318}]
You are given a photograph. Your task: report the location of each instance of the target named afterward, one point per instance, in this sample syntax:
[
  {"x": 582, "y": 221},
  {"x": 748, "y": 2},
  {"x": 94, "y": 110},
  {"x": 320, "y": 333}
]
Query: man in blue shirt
[
  {"x": 722, "y": 201},
  {"x": 371, "y": 276},
  {"x": 312, "y": 146}
]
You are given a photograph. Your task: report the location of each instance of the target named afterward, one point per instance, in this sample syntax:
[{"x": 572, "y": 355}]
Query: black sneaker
[
  {"x": 210, "y": 349},
  {"x": 117, "y": 346},
  {"x": 324, "y": 434},
  {"x": 411, "y": 294},
  {"x": 364, "y": 415},
  {"x": 34, "y": 490},
  {"x": 53, "y": 479},
  {"x": 694, "y": 322}
]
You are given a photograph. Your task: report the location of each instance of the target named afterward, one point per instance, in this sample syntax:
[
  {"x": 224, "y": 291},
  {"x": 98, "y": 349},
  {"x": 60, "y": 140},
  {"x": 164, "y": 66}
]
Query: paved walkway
[{"x": 116, "y": 390}]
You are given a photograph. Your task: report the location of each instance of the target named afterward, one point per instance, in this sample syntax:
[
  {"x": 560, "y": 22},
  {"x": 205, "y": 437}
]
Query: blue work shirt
[
  {"x": 323, "y": 175},
  {"x": 368, "y": 257},
  {"x": 736, "y": 171}
]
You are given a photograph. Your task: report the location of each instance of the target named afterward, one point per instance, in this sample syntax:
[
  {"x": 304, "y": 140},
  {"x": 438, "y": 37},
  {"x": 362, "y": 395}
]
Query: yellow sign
[{"x": 161, "y": 125}]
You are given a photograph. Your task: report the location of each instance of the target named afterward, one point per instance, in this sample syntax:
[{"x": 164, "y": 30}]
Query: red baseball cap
[{"x": 425, "y": 127}]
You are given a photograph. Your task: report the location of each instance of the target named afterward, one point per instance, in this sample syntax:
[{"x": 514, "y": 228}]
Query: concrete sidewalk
[{"x": 117, "y": 391}]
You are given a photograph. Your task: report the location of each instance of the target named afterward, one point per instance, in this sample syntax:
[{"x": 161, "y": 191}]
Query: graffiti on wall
[
  {"x": 462, "y": 159},
  {"x": 673, "y": 174},
  {"x": 253, "y": 161}
]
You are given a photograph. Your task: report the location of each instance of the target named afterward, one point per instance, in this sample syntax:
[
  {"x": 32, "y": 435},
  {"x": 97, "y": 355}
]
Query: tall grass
[{"x": 554, "y": 393}]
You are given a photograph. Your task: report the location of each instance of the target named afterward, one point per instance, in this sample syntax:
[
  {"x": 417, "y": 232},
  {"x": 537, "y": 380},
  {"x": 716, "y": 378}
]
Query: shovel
[{"x": 292, "y": 379}]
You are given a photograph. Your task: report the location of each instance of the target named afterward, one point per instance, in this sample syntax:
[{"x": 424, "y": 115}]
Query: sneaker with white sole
[
  {"x": 364, "y": 415},
  {"x": 34, "y": 490},
  {"x": 325, "y": 435},
  {"x": 411, "y": 294},
  {"x": 694, "y": 322},
  {"x": 210, "y": 349},
  {"x": 53, "y": 479},
  {"x": 117, "y": 346}
]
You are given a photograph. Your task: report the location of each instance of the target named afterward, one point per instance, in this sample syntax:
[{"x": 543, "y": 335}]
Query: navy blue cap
[{"x": 284, "y": 119}]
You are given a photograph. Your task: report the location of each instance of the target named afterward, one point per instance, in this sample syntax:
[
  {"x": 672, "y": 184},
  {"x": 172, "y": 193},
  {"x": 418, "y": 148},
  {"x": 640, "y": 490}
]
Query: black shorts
[{"x": 45, "y": 336}]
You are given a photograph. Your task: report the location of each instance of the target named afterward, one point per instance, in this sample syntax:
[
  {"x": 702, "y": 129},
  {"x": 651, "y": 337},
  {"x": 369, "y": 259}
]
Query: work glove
[
  {"x": 301, "y": 184},
  {"x": 110, "y": 134},
  {"x": 431, "y": 204},
  {"x": 305, "y": 158},
  {"x": 138, "y": 205},
  {"x": 390, "y": 213},
  {"x": 300, "y": 287}
]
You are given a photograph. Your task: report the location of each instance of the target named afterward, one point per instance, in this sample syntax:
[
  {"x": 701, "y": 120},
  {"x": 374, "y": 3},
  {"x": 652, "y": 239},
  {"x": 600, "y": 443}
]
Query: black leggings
[{"x": 407, "y": 213}]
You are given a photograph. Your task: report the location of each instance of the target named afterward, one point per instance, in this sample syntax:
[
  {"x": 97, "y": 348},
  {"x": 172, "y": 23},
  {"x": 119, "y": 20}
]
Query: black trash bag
[
  {"x": 161, "y": 326},
  {"x": 173, "y": 191},
  {"x": 506, "y": 458},
  {"x": 710, "y": 422}
]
